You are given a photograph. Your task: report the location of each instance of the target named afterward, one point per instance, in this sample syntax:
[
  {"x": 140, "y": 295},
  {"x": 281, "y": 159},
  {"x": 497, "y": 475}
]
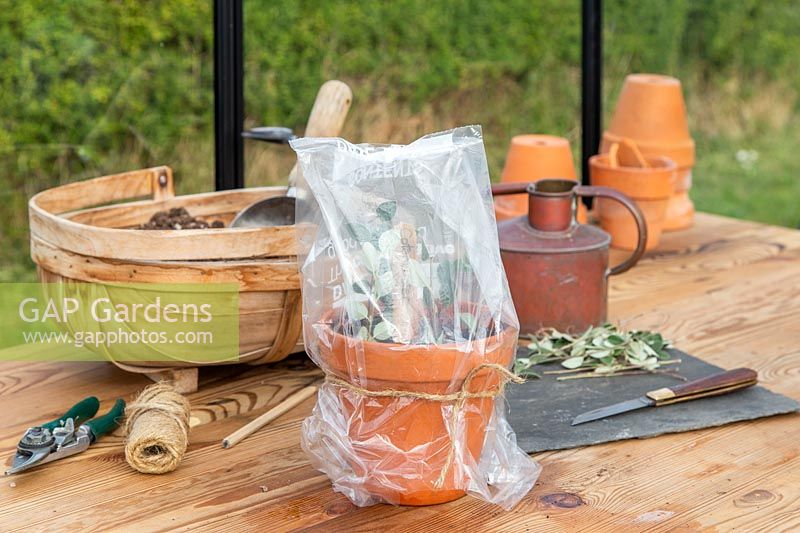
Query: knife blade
[{"x": 713, "y": 385}]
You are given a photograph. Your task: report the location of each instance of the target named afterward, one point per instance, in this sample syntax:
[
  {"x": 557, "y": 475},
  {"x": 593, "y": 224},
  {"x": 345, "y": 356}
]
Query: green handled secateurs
[{"x": 61, "y": 438}]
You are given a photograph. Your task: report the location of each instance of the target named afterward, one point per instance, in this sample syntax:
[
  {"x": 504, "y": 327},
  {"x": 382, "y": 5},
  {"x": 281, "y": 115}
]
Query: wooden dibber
[
  {"x": 289, "y": 403},
  {"x": 327, "y": 114}
]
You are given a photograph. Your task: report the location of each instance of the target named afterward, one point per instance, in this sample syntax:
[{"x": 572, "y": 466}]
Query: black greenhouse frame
[{"x": 229, "y": 89}]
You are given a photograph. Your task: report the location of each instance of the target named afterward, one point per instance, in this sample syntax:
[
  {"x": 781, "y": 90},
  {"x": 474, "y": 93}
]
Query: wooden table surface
[{"x": 726, "y": 290}]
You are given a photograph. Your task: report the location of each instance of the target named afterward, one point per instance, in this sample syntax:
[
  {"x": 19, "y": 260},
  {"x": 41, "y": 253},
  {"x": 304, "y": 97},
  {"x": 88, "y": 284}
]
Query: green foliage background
[{"x": 89, "y": 87}]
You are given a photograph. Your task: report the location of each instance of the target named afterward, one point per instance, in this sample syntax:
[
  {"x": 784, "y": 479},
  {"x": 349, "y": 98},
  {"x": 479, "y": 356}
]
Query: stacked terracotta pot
[
  {"x": 651, "y": 113},
  {"x": 649, "y": 181}
]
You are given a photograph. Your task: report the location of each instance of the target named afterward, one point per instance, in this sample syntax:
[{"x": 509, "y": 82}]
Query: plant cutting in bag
[{"x": 407, "y": 310}]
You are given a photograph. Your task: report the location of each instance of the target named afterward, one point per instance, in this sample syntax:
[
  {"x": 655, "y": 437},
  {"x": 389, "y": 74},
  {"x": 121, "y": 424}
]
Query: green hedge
[
  {"x": 88, "y": 86},
  {"x": 83, "y": 78}
]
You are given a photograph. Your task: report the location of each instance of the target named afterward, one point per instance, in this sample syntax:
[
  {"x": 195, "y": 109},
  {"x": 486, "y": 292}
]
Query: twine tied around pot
[
  {"x": 157, "y": 429},
  {"x": 460, "y": 397}
]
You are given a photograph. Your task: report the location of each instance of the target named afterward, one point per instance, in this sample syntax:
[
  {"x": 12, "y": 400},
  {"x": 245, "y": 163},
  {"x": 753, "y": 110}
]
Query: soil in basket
[{"x": 178, "y": 218}]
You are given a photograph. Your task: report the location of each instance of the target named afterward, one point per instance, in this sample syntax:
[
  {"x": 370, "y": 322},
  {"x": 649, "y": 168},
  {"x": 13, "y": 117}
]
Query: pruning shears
[{"x": 67, "y": 435}]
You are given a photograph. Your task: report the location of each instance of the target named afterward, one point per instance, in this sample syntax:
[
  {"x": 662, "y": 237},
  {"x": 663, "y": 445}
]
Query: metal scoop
[
  {"x": 274, "y": 211},
  {"x": 326, "y": 119}
]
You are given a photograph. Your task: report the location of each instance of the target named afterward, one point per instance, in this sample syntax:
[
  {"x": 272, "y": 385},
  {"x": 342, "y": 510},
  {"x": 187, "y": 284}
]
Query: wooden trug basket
[{"x": 72, "y": 240}]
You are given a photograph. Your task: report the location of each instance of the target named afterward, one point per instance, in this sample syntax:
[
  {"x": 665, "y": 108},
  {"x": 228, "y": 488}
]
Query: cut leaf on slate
[{"x": 600, "y": 350}]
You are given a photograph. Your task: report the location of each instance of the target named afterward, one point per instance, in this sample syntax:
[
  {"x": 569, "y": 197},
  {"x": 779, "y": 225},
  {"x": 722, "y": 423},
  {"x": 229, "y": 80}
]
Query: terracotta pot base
[{"x": 420, "y": 499}]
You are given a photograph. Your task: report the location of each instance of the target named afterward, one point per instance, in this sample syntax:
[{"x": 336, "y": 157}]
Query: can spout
[{"x": 551, "y": 204}]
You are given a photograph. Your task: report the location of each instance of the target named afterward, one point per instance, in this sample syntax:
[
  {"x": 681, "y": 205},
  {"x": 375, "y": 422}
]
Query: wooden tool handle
[
  {"x": 714, "y": 385},
  {"x": 330, "y": 109},
  {"x": 327, "y": 115}
]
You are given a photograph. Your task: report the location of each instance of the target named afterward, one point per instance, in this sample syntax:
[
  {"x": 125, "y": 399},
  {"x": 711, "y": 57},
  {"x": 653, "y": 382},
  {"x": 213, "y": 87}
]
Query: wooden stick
[
  {"x": 611, "y": 375},
  {"x": 615, "y": 374},
  {"x": 628, "y": 367},
  {"x": 289, "y": 403}
]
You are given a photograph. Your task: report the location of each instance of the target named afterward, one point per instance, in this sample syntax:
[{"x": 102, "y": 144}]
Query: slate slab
[{"x": 541, "y": 410}]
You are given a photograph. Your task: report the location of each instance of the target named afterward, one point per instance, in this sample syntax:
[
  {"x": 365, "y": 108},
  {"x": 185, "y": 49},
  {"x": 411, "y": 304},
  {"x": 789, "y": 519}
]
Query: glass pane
[
  {"x": 414, "y": 67},
  {"x": 738, "y": 66},
  {"x": 417, "y": 66}
]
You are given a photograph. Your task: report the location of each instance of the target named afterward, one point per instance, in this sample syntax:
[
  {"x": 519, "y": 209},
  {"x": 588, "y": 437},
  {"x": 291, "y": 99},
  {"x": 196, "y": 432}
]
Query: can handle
[{"x": 641, "y": 227}]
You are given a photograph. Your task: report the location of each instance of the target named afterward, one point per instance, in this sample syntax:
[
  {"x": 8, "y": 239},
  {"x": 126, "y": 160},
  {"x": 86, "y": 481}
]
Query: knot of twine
[
  {"x": 460, "y": 397},
  {"x": 157, "y": 429}
]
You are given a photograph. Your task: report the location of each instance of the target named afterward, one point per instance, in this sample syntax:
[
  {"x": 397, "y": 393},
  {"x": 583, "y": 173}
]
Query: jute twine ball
[{"x": 157, "y": 429}]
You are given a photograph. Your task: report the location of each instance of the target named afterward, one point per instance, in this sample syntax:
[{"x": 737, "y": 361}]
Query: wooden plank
[
  {"x": 269, "y": 274},
  {"x": 726, "y": 290}
]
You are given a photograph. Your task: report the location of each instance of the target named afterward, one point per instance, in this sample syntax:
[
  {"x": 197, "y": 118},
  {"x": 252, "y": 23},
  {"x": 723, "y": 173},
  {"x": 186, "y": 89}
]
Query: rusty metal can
[{"x": 557, "y": 269}]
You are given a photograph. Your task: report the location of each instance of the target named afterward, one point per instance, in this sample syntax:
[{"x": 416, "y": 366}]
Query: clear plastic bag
[{"x": 407, "y": 310}]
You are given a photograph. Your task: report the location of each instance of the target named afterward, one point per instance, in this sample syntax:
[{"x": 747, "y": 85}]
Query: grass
[{"x": 750, "y": 178}]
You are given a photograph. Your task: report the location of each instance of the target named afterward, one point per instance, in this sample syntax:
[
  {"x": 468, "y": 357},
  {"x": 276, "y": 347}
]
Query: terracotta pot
[
  {"x": 651, "y": 111},
  {"x": 402, "y": 444},
  {"x": 532, "y": 158},
  {"x": 651, "y": 189}
]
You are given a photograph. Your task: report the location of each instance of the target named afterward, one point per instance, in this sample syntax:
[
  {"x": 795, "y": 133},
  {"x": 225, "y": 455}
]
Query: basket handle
[{"x": 155, "y": 183}]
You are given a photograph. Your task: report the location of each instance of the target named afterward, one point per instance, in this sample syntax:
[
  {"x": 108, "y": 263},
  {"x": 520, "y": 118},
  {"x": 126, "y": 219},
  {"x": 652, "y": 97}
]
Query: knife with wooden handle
[{"x": 714, "y": 385}]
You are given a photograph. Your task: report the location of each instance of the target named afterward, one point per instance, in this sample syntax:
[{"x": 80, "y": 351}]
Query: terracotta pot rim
[
  {"x": 685, "y": 144},
  {"x": 414, "y": 363},
  {"x": 666, "y": 166},
  {"x": 641, "y": 184},
  {"x": 394, "y": 346}
]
